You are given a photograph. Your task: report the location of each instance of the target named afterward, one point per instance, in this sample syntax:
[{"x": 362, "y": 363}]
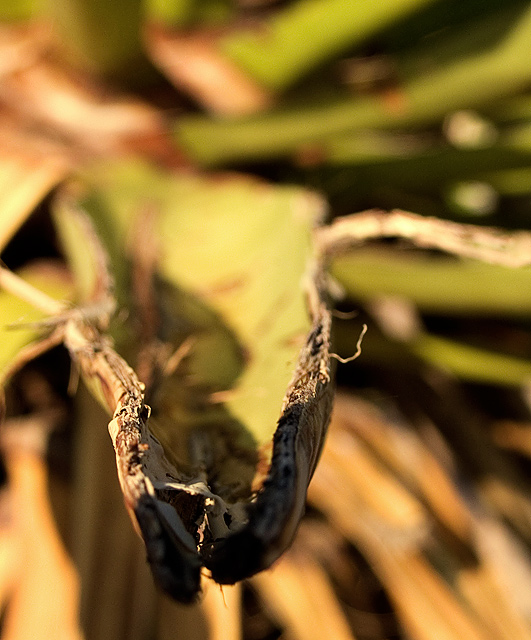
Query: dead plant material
[
  {"x": 184, "y": 525},
  {"x": 144, "y": 470},
  {"x": 510, "y": 249},
  {"x": 62, "y": 107},
  {"x": 309, "y": 613},
  {"x": 381, "y": 504},
  {"x": 438, "y": 591},
  {"x": 39, "y": 551},
  {"x": 194, "y": 65}
]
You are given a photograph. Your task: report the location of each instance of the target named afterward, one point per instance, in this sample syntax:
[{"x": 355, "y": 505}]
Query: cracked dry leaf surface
[{"x": 209, "y": 474}]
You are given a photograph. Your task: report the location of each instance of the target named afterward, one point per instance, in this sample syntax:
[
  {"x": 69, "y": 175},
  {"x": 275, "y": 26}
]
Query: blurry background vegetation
[{"x": 419, "y": 517}]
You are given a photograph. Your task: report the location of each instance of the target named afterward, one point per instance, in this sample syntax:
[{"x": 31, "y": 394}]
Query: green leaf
[
  {"x": 472, "y": 363},
  {"x": 438, "y": 284},
  {"x": 471, "y": 80},
  {"x": 299, "y": 37},
  {"x": 241, "y": 248},
  {"x": 17, "y": 328}
]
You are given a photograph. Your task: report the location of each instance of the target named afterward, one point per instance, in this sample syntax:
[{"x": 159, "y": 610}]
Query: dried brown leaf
[
  {"x": 45, "y": 95},
  {"x": 193, "y": 63},
  {"x": 143, "y": 467},
  {"x": 408, "y": 459},
  {"x": 460, "y": 594},
  {"x": 424, "y": 603},
  {"x": 300, "y": 595},
  {"x": 222, "y": 608},
  {"x": 34, "y": 611},
  {"x": 184, "y": 521}
]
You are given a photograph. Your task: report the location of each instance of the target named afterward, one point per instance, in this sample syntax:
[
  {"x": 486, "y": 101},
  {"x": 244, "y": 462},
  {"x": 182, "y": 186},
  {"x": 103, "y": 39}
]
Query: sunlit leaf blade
[
  {"x": 478, "y": 270},
  {"x": 439, "y": 588},
  {"x": 306, "y": 33},
  {"x": 472, "y": 363},
  {"x": 19, "y": 319},
  {"x": 24, "y": 181},
  {"x": 242, "y": 248},
  {"x": 470, "y": 78},
  {"x": 437, "y": 284}
]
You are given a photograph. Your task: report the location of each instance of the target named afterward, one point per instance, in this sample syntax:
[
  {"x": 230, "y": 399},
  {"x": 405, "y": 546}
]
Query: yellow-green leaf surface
[
  {"x": 472, "y": 363},
  {"x": 83, "y": 252},
  {"x": 232, "y": 247},
  {"x": 24, "y": 182},
  {"x": 436, "y": 283},
  {"x": 17, "y": 316}
]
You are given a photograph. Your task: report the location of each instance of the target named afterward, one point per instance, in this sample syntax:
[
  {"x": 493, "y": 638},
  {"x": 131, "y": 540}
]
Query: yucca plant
[{"x": 178, "y": 236}]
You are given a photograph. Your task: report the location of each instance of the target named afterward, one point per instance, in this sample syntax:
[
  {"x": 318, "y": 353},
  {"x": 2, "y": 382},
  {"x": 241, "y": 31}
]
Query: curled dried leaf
[
  {"x": 176, "y": 519},
  {"x": 205, "y": 484}
]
